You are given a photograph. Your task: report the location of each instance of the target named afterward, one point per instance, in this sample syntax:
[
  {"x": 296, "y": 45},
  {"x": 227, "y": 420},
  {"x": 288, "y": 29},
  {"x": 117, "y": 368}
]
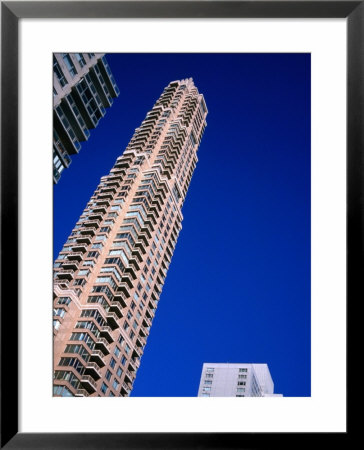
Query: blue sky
[{"x": 238, "y": 287}]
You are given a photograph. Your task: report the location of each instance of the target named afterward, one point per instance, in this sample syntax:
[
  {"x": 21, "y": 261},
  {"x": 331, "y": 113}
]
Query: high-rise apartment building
[
  {"x": 110, "y": 272},
  {"x": 236, "y": 380},
  {"x": 83, "y": 86}
]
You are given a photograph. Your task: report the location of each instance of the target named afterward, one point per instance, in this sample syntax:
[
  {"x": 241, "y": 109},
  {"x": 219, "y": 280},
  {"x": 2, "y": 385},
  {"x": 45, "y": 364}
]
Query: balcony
[
  {"x": 112, "y": 183},
  {"x": 76, "y": 256},
  {"x": 93, "y": 370},
  {"x": 137, "y": 254},
  {"x": 108, "y": 189},
  {"x": 119, "y": 297},
  {"x": 100, "y": 209},
  {"x": 65, "y": 275},
  {"x": 147, "y": 322},
  {"x": 105, "y": 196},
  {"x": 115, "y": 307},
  {"x": 116, "y": 178},
  {"x": 81, "y": 393},
  {"x": 70, "y": 265},
  {"x": 112, "y": 320},
  {"x": 144, "y": 238},
  {"x": 131, "y": 272},
  {"x": 89, "y": 384},
  {"x": 95, "y": 216},
  {"x": 144, "y": 331},
  {"x": 127, "y": 279},
  {"x": 148, "y": 314},
  {"x": 83, "y": 240},
  {"x": 123, "y": 288},
  {"x": 133, "y": 264},
  {"x": 121, "y": 164},
  {"x": 98, "y": 356},
  {"x": 136, "y": 357},
  {"x": 146, "y": 231},
  {"x": 102, "y": 344},
  {"x": 100, "y": 203},
  {"x": 117, "y": 174},
  {"x": 125, "y": 389},
  {"x": 106, "y": 332},
  {"x": 79, "y": 248},
  {"x": 91, "y": 223},
  {"x": 129, "y": 377},
  {"x": 61, "y": 283},
  {"x": 87, "y": 231},
  {"x": 140, "y": 245}
]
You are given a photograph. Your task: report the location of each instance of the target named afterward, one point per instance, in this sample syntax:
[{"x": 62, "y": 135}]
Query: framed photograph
[{"x": 271, "y": 250}]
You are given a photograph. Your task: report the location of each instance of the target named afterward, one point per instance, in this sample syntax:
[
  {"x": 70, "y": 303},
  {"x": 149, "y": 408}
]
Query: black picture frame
[{"x": 11, "y": 12}]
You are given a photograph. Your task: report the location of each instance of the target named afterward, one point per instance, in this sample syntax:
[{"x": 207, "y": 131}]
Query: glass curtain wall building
[
  {"x": 109, "y": 275},
  {"x": 83, "y": 87}
]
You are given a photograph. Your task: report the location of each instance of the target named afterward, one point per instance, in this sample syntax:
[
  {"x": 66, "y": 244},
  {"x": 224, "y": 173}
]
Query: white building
[{"x": 236, "y": 380}]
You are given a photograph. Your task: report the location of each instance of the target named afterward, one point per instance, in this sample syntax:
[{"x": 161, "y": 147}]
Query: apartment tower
[
  {"x": 109, "y": 275},
  {"x": 236, "y": 380},
  {"x": 83, "y": 87}
]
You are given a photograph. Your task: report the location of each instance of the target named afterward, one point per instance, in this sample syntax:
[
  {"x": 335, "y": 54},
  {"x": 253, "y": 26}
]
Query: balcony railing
[
  {"x": 102, "y": 344},
  {"x": 70, "y": 265},
  {"x": 75, "y": 256},
  {"x": 81, "y": 393},
  {"x": 89, "y": 383},
  {"x": 123, "y": 288},
  {"x": 65, "y": 275},
  {"x": 87, "y": 231},
  {"x": 94, "y": 370},
  {"x": 112, "y": 319},
  {"x": 98, "y": 357},
  {"x": 79, "y": 248},
  {"x": 106, "y": 332},
  {"x": 125, "y": 388}
]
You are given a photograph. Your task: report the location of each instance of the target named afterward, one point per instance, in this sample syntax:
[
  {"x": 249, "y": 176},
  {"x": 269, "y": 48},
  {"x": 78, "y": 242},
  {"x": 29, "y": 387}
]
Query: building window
[
  {"x": 59, "y": 312},
  {"x": 112, "y": 363},
  {"x": 57, "y": 163},
  {"x": 62, "y": 391},
  {"x": 64, "y": 301},
  {"x": 108, "y": 374},
  {"x": 58, "y": 71},
  {"x": 80, "y": 59},
  {"x": 69, "y": 64},
  {"x": 103, "y": 388}
]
